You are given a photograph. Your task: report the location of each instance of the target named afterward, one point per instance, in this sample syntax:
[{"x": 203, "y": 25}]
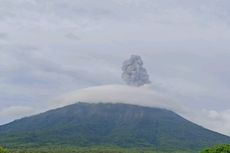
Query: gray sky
[{"x": 49, "y": 48}]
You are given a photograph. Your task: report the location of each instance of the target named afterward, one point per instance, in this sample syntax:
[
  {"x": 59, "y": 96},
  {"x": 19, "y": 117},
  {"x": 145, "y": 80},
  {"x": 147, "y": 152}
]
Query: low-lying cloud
[
  {"x": 15, "y": 112},
  {"x": 143, "y": 96},
  {"x": 146, "y": 96}
]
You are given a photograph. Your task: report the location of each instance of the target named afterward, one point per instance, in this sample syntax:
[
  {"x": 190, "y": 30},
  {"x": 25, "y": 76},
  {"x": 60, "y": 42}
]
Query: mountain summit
[{"x": 85, "y": 124}]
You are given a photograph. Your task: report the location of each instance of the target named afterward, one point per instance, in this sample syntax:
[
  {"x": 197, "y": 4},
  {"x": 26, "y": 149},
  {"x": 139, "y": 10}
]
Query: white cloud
[
  {"x": 216, "y": 120},
  {"x": 51, "y": 47},
  {"x": 15, "y": 112},
  {"x": 146, "y": 96}
]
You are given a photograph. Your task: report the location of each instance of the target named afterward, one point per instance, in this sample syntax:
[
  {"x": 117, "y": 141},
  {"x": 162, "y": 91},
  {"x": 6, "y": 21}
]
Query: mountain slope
[{"x": 84, "y": 124}]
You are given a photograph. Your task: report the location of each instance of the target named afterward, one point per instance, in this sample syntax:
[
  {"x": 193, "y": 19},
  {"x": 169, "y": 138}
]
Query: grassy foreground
[{"x": 101, "y": 149}]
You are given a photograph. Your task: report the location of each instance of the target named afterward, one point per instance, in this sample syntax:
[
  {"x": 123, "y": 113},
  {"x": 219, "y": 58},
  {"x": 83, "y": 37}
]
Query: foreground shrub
[
  {"x": 3, "y": 150},
  {"x": 218, "y": 149}
]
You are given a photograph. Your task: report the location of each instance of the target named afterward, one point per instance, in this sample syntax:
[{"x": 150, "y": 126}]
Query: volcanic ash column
[{"x": 134, "y": 73}]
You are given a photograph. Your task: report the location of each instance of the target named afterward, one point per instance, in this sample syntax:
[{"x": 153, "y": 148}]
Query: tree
[
  {"x": 3, "y": 150},
  {"x": 218, "y": 149}
]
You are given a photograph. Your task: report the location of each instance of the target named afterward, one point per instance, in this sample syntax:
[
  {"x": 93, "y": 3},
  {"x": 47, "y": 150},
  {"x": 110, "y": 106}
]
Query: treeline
[
  {"x": 58, "y": 149},
  {"x": 215, "y": 149},
  {"x": 218, "y": 149},
  {"x": 76, "y": 150}
]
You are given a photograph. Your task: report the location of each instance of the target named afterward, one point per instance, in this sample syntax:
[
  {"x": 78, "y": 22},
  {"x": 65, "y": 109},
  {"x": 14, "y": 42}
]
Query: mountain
[{"x": 105, "y": 124}]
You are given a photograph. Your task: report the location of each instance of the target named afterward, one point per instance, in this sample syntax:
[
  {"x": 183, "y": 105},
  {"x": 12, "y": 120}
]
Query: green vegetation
[
  {"x": 103, "y": 149},
  {"x": 3, "y": 150},
  {"x": 90, "y": 150},
  {"x": 218, "y": 149},
  {"x": 120, "y": 125}
]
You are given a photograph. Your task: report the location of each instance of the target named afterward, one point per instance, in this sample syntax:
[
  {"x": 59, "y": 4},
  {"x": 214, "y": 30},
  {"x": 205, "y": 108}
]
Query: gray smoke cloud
[{"x": 134, "y": 73}]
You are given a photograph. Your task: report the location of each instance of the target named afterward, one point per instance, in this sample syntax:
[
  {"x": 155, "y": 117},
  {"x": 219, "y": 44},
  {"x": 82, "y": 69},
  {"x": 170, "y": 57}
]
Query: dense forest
[{"x": 218, "y": 149}]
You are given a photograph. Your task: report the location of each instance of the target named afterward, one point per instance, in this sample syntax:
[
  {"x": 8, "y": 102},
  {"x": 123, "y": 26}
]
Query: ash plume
[{"x": 134, "y": 73}]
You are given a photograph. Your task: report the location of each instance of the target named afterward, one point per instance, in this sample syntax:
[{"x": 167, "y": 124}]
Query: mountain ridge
[{"x": 123, "y": 125}]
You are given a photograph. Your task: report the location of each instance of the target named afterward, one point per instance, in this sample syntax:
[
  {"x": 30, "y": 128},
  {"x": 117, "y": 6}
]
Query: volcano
[{"x": 106, "y": 124}]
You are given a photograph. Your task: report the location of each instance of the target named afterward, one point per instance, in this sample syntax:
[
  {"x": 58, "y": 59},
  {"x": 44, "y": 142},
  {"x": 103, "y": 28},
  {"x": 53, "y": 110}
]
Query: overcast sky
[{"x": 49, "y": 48}]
